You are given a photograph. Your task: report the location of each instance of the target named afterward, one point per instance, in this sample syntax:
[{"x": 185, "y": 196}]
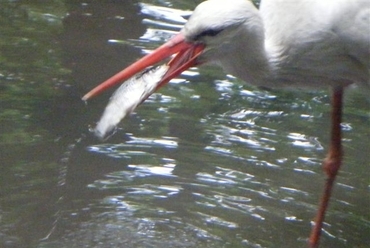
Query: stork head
[{"x": 211, "y": 35}]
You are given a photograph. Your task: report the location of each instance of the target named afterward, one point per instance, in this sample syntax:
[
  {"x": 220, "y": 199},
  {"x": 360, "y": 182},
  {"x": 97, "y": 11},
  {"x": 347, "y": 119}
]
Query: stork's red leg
[{"x": 331, "y": 163}]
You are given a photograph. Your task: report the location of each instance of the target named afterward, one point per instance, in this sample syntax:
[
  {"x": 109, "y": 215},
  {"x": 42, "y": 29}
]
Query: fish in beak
[
  {"x": 141, "y": 80},
  {"x": 186, "y": 56}
]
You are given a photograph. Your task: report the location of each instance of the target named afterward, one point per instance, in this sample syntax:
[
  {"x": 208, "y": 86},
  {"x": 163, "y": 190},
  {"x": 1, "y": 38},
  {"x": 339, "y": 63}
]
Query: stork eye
[{"x": 208, "y": 32}]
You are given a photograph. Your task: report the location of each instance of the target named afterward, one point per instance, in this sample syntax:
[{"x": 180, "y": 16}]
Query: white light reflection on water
[
  {"x": 301, "y": 140},
  {"x": 209, "y": 219},
  {"x": 165, "y": 170},
  {"x": 167, "y": 14},
  {"x": 125, "y": 150},
  {"x": 166, "y": 142}
]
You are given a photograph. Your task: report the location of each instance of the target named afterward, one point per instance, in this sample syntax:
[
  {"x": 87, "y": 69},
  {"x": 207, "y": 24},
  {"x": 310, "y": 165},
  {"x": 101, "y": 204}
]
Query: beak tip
[
  {"x": 86, "y": 97},
  {"x": 91, "y": 93}
]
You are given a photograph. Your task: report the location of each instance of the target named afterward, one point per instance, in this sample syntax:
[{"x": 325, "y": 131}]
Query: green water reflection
[
  {"x": 30, "y": 66},
  {"x": 30, "y": 76}
]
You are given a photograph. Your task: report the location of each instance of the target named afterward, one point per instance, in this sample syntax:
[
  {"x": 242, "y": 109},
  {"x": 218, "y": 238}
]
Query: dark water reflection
[{"x": 205, "y": 162}]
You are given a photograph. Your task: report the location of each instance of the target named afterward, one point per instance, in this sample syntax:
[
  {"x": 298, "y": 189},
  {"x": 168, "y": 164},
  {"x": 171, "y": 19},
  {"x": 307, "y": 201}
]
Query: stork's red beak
[{"x": 186, "y": 57}]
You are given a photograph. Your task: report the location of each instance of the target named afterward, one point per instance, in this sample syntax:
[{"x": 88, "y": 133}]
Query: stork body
[{"x": 287, "y": 43}]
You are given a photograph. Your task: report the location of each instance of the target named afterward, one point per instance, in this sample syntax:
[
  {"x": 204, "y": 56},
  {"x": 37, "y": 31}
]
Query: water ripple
[
  {"x": 125, "y": 150},
  {"x": 300, "y": 140},
  {"x": 217, "y": 221},
  {"x": 165, "y": 170},
  {"x": 209, "y": 178},
  {"x": 294, "y": 191},
  {"x": 164, "y": 13},
  {"x": 166, "y": 142}
]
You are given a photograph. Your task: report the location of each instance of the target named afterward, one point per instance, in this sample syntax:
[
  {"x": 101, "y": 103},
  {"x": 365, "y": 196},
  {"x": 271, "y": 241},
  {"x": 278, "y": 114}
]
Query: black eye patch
[{"x": 208, "y": 32}]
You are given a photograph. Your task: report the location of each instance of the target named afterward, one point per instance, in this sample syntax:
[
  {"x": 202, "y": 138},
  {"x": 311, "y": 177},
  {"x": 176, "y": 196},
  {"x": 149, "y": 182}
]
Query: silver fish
[{"x": 127, "y": 98}]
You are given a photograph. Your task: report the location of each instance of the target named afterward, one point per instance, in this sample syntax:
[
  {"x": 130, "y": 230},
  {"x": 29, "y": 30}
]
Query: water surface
[{"x": 207, "y": 161}]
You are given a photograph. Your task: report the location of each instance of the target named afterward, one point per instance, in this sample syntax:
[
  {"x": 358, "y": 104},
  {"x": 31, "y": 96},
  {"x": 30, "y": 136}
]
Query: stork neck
[{"x": 248, "y": 59}]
